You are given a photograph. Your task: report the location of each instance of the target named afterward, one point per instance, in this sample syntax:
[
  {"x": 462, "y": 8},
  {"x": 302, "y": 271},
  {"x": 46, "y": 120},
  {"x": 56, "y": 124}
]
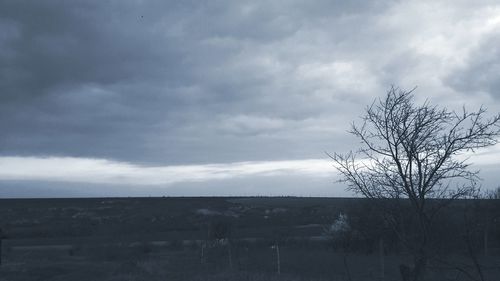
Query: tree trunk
[
  {"x": 278, "y": 258},
  {"x": 420, "y": 268},
  {"x": 405, "y": 272},
  {"x": 420, "y": 256},
  {"x": 229, "y": 253},
  {"x": 346, "y": 266},
  {"x": 485, "y": 238},
  {"x": 202, "y": 257},
  {"x": 381, "y": 255}
]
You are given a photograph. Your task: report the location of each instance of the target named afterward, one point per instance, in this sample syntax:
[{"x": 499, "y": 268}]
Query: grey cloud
[
  {"x": 481, "y": 73},
  {"x": 143, "y": 83},
  {"x": 61, "y": 52},
  {"x": 193, "y": 82}
]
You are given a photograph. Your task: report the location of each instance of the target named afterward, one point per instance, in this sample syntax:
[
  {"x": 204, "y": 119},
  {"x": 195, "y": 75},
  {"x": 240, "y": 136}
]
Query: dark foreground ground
[{"x": 208, "y": 239}]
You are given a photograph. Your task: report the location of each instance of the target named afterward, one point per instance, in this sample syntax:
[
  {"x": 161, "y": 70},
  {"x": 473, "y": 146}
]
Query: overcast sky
[{"x": 108, "y": 98}]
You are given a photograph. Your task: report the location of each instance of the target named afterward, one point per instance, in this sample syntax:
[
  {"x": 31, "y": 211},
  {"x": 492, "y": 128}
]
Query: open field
[{"x": 202, "y": 239}]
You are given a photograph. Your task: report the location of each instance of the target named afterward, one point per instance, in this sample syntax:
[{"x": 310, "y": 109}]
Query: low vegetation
[{"x": 235, "y": 239}]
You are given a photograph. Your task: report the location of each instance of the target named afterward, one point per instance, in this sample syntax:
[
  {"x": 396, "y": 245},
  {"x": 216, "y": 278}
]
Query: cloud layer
[
  {"x": 100, "y": 171},
  {"x": 292, "y": 177},
  {"x": 169, "y": 83}
]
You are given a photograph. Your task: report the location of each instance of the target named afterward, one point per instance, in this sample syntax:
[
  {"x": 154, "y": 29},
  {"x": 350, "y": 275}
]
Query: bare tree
[
  {"x": 415, "y": 152},
  {"x": 493, "y": 194},
  {"x": 340, "y": 234}
]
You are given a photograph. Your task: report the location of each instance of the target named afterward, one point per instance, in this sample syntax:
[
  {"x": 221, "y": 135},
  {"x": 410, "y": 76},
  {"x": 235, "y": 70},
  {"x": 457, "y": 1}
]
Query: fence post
[
  {"x": 381, "y": 256},
  {"x": 278, "y": 259},
  {"x": 485, "y": 238}
]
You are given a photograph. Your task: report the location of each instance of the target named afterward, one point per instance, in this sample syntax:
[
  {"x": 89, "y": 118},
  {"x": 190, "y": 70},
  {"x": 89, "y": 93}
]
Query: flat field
[{"x": 220, "y": 238}]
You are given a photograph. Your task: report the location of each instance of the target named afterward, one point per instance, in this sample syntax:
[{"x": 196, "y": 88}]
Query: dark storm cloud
[
  {"x": 126, "y": 80},
  {"x": 85, "y": 78},
  {"x": 60, "y": 44},
  {"x": 175, "y": 82}
]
